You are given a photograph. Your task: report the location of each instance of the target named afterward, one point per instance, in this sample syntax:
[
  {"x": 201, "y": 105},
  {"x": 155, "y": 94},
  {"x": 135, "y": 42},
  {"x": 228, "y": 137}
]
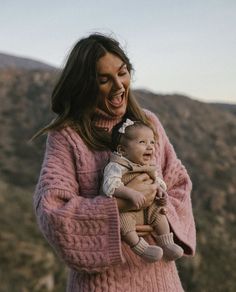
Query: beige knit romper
[{"x": 151, "y": 215}]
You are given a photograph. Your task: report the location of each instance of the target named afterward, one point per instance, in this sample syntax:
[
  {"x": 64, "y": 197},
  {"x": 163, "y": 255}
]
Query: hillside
[
  {"x": 227, "y": 107},
  {"x": 204, "y": 138},
  {"x": 15, "y": 62}
]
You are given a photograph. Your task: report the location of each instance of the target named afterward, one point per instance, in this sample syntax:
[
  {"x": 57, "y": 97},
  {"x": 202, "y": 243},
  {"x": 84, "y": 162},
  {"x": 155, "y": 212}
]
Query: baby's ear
[{"x": 121, "y": 150}]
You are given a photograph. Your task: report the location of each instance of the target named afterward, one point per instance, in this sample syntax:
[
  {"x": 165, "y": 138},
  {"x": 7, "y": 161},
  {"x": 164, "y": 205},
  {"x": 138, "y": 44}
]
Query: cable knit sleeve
[
  {"x": 83, "y": 231},
  {"x": 179, "y": 188}
]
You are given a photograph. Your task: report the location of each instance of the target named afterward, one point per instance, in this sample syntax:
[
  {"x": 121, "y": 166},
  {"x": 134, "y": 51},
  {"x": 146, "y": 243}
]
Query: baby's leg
[
  {"x": 164, "y": 238},
  {"x": 138, "y": 244},
  {"x": 128, "y": 228},
  {"x": 161, "y": 224},
  {"x": 131, "y": 238}
]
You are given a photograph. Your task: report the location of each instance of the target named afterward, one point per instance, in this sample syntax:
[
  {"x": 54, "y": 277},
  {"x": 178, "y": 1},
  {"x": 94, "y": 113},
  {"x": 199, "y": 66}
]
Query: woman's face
[{"x": 113, "y": 82}]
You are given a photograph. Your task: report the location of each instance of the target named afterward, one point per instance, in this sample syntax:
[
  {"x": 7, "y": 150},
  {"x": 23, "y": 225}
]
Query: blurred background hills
[
  {"x": 15, "y": 62},
  {"x": 203, "y": 135}
]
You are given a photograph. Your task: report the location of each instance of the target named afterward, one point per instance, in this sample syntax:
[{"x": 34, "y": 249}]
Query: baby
[{"x": 134, "y": 144}]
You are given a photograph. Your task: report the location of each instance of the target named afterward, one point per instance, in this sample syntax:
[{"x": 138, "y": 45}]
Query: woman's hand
[
  {"x": 143, "y": 184},
  {"x": 143, "y": 230}
]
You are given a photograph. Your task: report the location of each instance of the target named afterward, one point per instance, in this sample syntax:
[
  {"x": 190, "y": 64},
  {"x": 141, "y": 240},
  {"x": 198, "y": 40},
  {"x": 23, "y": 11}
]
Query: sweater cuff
[
  {"x": 114, "y": 236},
  {"x": 183, "y": 226}
]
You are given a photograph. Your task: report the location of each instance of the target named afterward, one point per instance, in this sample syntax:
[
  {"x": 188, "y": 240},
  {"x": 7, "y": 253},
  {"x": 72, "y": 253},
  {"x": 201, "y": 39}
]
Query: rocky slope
[{"x": 204, "y": 138}]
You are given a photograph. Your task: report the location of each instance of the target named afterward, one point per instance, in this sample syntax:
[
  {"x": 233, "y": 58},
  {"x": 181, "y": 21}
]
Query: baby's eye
[
  {"x": 152, "y": 142},
  {"x": 141, "y": 141}
]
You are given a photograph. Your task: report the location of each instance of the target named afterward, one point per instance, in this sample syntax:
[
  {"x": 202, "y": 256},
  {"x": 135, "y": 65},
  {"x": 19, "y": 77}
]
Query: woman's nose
[{"x": 117, "y": 84}]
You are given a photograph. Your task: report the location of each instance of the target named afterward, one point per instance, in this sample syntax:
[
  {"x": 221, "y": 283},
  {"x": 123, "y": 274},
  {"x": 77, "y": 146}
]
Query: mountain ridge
[{"x": 18, "y": 62}]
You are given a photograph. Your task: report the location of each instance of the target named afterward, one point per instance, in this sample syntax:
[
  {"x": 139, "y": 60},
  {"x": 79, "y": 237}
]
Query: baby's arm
[
  {"x": 111, "y": 179},
  {"x": 137, "y": 198},
  {"x": 113, "y": 186}
]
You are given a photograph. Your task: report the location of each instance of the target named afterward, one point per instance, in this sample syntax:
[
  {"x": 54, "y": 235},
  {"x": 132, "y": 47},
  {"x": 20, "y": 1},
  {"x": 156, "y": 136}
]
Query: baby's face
[{"x": 141, "y": 148}]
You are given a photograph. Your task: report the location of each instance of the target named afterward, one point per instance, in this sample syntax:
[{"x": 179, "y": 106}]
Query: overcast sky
[{"x": 176, "y": 46}]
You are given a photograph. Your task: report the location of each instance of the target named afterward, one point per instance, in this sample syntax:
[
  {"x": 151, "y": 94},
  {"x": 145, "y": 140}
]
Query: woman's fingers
[
  {"x": 143, "y": 177},
  {"x": 143, "y": 230},
  {"x": 144, "y": 185}
]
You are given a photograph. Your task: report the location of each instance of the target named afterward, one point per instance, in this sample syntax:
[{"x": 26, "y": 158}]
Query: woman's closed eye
[
  {"x": 123, "y": 72},
  {"x": 103, "y": 80}
]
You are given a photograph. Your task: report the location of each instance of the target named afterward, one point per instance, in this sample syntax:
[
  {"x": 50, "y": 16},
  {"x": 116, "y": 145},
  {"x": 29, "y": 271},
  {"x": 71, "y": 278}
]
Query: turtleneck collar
[{"x": 103, "y": 120}]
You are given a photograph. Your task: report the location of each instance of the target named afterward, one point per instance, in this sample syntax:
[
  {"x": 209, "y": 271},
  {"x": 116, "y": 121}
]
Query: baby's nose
[{"x": 149, "y": 146}]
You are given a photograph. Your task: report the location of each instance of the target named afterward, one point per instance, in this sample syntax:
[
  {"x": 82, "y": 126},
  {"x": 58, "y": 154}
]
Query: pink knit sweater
[{"x": 83, "y": 227}]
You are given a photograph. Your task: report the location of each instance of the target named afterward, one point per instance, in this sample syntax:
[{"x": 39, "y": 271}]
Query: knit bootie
[
  {"x": 171, "y": 251},
  {"x": 150, "y": 253}
]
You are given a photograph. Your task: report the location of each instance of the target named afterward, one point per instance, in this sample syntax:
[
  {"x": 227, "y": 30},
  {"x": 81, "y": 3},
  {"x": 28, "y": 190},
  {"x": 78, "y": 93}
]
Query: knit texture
[
  {"x": 83, "y": 227},
  {"x": 133, "y": 169},
  {"x": 171, "y": 250},
  {"x": 149, "y": 253}
]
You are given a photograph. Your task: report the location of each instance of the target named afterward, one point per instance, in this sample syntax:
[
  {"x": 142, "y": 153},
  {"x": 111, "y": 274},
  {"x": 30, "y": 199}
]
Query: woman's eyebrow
[
  {"x": 122, "y": 65},
  {"x": 105, "y": 74}
]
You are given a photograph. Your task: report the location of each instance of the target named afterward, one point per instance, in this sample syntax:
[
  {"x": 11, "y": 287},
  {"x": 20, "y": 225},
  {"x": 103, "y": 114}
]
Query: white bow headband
[{"x": 127, "y": 123}]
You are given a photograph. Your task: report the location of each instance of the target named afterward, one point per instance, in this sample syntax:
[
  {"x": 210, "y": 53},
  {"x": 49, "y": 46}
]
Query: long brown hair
[{"x": 74, "y": 97}]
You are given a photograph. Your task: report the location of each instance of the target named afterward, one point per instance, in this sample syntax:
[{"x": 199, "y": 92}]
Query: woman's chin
[{"x": 118, "y": 113}]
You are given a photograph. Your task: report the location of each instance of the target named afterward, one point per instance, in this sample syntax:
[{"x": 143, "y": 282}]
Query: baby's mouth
[{"x": 147, "y": 156}]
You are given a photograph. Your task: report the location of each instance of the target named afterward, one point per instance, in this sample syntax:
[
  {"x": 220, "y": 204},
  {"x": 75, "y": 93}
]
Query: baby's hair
[{"x": 118, "y": 138}]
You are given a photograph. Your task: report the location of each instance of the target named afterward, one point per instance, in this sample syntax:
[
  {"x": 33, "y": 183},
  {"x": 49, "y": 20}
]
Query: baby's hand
[
  {"x": 138, "y": 200},
  {"x": 161, "y": 197}
]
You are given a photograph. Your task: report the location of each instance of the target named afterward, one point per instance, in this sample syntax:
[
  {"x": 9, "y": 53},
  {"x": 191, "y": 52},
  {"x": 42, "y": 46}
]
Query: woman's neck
[{"x": 105, "y": 121}]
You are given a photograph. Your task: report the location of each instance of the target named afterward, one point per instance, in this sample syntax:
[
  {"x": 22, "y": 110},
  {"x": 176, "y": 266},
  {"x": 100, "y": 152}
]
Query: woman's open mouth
[{"x": 117, "y": 99}]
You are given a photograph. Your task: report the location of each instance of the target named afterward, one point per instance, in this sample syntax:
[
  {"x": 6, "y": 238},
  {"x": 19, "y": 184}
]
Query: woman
[{"x": 91, "y": 96}]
